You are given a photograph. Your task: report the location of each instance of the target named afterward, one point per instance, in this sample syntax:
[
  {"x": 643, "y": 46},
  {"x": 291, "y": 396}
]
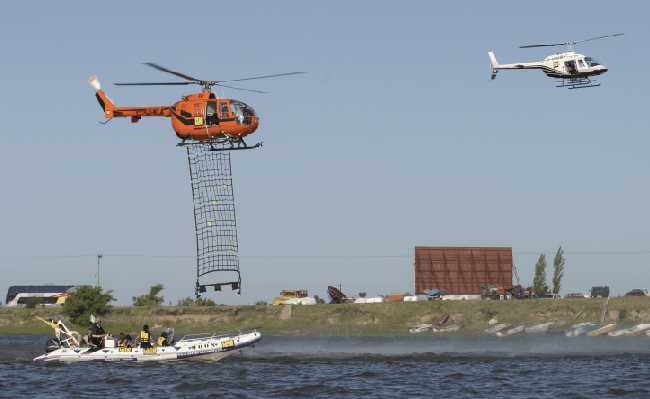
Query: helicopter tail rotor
[
  {"x": 494, "y": 65},
  {"x": 103, "y": 100}
]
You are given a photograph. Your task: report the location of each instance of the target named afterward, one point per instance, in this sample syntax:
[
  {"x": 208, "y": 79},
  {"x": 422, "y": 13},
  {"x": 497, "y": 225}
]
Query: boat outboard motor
[{"x": 52, "y": 344}]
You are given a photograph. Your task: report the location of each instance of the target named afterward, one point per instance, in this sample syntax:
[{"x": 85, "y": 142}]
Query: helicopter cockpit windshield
[
  {"x": 243, "y": 112},
  {"x": 591, "y": 62}
]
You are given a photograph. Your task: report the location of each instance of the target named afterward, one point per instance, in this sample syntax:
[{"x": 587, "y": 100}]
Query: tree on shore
[
  {"x": 150, "y": 299},
  {"x": 539, "y": 280},
  {"x": 558, "y": 270},
  {"x": 87, "y": 300}
]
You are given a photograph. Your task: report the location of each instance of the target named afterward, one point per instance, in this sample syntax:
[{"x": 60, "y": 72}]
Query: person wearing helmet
[{"x": 96, "y": 334}]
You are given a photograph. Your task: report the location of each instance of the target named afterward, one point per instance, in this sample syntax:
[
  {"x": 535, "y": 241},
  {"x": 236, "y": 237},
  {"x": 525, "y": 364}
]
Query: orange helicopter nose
[{"x": 255, "y": 124}]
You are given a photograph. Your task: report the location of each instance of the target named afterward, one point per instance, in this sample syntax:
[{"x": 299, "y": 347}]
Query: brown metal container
[
  {"x": 394, "y": 298},
  {"x": 462, "y": 270}
]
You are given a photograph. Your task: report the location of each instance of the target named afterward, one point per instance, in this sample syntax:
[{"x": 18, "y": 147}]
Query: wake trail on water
[
  {"x": 21, "y": 347},
  {"x": 25, "y": 348},
  {"x": 431, "y": 347}
]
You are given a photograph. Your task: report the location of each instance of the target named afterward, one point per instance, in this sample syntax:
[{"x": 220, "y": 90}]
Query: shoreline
[{"x": 381, "y": 319}]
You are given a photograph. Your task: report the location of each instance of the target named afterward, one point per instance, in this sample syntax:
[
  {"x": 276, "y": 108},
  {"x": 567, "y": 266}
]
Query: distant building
[
  {"x": 462, "y": 270},
  {"x": 39, "y": 294}
]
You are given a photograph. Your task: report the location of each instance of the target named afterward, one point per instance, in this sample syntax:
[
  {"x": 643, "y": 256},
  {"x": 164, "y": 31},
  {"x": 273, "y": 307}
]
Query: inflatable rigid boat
[{"x": 66, "y": 348}]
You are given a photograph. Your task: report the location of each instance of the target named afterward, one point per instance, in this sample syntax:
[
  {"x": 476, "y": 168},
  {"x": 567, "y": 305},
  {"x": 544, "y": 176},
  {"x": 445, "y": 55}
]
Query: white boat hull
[{"x": 210, "y": 348}]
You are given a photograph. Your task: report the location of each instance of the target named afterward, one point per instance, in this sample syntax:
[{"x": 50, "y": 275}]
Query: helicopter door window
[
  {"x": 224, "y": 111},
  {"x": 236, "y": 110},
  {"x": 571, "y": 67},
  {"x": 211, "y": 113}
]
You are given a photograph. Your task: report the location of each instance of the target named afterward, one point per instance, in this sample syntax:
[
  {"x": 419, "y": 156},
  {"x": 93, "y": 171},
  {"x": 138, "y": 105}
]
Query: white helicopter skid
[{"x": 577, "y": 83}]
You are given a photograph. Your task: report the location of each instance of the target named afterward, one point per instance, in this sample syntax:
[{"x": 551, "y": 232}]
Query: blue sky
[{"x": 395, "y": 138}]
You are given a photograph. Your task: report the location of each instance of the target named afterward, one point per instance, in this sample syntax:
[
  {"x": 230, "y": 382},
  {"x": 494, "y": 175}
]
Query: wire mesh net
[{"x": 214, "y": 211}]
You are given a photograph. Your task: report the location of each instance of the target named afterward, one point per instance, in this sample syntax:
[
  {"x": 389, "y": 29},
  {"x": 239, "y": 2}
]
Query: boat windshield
[{"x": 591, "y": 62}]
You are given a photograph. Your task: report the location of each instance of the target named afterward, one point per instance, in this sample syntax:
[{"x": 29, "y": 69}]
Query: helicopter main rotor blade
[
  {"x": 163, "y": 69},
  {"x": 263, "y": 76},
  {"x": 543, "y": 45},
  {"x": 156, "y": 84},
  {"x": 241, "y": 88},
  {"x": 571, "y": 43},
  {"x": 599, "y": 37}
]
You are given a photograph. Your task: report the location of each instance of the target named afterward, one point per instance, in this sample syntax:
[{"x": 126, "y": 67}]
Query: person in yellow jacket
[
  {"x": 162, "y": 340},
  {"x": 145, "y": 337}
]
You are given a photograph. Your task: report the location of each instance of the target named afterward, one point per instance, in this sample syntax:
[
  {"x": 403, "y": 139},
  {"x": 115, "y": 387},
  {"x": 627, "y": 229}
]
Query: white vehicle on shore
[{"x": 66, "y": 348}]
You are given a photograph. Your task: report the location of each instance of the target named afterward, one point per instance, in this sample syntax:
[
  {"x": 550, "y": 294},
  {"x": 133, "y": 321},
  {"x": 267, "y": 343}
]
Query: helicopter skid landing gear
[
  {"x": 222, "y": 145},
  {"x": 232, "y": 147},
  {"x": 577, "y": 83}
]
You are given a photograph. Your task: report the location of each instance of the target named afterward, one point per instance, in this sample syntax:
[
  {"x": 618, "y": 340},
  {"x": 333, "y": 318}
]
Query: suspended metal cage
[{"x": 214, "y": 217}]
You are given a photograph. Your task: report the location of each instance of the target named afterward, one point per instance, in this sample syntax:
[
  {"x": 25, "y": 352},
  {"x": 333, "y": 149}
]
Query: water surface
[{"x": 550, "y": 366}]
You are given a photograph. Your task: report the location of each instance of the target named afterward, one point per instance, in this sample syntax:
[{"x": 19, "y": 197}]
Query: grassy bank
[{"x": 346, "y": 319}]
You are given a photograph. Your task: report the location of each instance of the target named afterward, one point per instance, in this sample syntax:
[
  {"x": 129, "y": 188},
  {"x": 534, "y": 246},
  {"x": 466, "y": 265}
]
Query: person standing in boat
[
  {"x": 145, "y": 337},
  {"x": 96, "y": 333}
]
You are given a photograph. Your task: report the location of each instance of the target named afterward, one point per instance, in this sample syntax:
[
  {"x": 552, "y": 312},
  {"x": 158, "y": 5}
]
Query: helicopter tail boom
[
  {"x": 111, "y": 110},
  {"x": 495, "y": 66}
]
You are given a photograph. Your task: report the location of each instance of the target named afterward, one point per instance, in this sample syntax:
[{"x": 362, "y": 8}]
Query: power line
[
  {"x": 192, "y": 256},
  {"x": 306, "y": 256}
]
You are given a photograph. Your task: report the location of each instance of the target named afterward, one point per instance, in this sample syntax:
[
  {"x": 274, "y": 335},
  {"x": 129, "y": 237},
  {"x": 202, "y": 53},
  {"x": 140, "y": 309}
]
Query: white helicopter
[{"x": 574, "y": 70}]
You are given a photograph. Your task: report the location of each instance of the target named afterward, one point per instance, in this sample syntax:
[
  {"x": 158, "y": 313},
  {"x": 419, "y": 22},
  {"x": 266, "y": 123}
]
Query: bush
[
  {"x": 31, "y": 303},
  {"x": 261, "y": 303},
  {"x": 185, "y": 302},
  {"x": 195, "y": 302},
  {"x": 87, "y": 300},
  {"x": 204, "y": 302},
  {"x": 319, "y": 300},
  {"x": 150, "y": 299}
]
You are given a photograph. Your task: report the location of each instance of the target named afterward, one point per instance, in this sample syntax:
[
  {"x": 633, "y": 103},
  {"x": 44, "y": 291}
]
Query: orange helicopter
[{"x": 197, "y": 117}]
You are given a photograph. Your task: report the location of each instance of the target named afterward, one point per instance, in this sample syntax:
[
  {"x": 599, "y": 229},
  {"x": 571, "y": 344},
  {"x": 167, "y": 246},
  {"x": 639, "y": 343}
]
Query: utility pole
[{"x": 99, "y": 259}]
